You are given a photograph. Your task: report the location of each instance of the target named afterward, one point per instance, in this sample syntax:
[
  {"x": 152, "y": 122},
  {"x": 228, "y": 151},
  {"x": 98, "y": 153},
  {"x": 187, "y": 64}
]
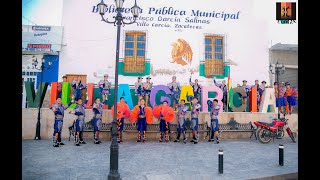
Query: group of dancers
[
  {"x": 141, "y": 114},
  {"x": 288, "y": 95},
  {"x": 142, "y": 89},
  {"x": 284, "y": 94}
]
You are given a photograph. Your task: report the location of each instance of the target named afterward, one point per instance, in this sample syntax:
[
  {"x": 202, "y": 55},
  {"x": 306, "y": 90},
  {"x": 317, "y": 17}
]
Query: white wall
[{"x": 90, "y": 43}]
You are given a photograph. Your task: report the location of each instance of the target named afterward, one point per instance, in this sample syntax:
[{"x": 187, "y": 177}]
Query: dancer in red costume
[
  {"x": 143, "y": 116},
  {"x": 123, "y": 111},
  {"x": 166, "y": 115}
]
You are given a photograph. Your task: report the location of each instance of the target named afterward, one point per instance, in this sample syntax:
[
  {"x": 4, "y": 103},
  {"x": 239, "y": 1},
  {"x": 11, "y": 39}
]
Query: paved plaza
[{"x": 243, "y": 159}]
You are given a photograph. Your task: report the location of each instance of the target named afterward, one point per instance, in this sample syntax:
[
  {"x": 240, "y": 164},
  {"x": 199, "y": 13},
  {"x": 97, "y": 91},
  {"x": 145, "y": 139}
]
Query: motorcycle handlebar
[{"x": 283, "y": 119}]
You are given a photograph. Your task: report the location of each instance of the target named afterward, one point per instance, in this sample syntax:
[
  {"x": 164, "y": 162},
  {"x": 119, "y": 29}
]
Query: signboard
[
  {"x": 41, "y": 38},
  {"x": 39, "y": 47}
]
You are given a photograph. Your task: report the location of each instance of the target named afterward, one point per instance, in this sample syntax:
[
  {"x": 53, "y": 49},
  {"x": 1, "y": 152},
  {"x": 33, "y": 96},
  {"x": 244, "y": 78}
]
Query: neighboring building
[
  {"x": 286, "y": 54},
  {"x": 40, "y": 42}
]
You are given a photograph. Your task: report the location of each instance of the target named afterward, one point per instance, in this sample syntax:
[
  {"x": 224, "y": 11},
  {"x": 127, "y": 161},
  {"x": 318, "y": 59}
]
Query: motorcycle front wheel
[
  {"x": 290, "y": 133},
  {"x": 264, "y": 135}
]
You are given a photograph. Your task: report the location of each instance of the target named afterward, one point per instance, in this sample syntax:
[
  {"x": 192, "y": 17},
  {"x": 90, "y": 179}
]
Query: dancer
[
  {"x": 123, "y": 111},
  {"x": 247, "y": 89},
  {"x": 105, "y": 86},
  {"x": 97, "y": 120},
  {"x": 77, "y": 86},
  {"x": 144, "y": 116},
  {"x": 58, "y": 109},
  {"x": 214, "y": 120},
  {"x": 262, "y": 87},
  {"x": 174, "y": 86},
  {"x": 280, "y": 102},
  {"x": 291, "y": 95},
  {"x": 79, "y": 111},
  {"x": 195, "y": 109},
  {"x": 147, "y": 86},
  {"x": 196, "y": 87},
  {"x": 139, "y": 88},
  {"x": 166, "y": 115},
  {"x": 182, "y": 109}
]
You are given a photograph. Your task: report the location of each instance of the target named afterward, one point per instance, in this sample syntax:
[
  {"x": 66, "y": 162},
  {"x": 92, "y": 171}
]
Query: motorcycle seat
[{"x": 267, "y": 124}]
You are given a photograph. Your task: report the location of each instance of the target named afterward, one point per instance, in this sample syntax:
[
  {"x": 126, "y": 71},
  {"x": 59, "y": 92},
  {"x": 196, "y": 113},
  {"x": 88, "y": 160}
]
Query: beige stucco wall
[
  {"x": 29, "y": 121},
  {"x": 283, "y": 57}
]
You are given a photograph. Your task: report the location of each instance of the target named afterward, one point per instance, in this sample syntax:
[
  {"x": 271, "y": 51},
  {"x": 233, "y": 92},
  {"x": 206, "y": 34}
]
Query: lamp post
[
  {"x": 114, "y": 147},
  {"x": 277, "y": 71},
  {"x": 35, "y": 64}
]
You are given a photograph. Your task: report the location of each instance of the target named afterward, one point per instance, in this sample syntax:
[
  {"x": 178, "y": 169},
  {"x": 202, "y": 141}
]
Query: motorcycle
[{"x": 268, "y": 131}]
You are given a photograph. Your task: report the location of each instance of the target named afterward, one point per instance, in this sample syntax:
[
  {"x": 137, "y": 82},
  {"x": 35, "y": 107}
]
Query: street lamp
[
  {"x": 279, "y": 68},
  {"x": 114, "y": 147},
  {"x": 35, "y": 64}
]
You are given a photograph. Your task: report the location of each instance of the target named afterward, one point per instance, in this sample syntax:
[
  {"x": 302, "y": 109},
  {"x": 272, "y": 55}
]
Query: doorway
[{"x": 71, "y": 77}]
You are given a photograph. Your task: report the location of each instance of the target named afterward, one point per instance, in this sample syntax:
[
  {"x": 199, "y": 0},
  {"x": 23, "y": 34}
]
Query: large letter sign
[
  {"x": 268, "y": 98},
  {"x": 90, "y": 89},
  {"x": 35, "y": 101},
  {"x": 219, "y": 95},
  {"x": 242, "y": 92},
  {"x": 163, "y": 98},
  {"x": 253, "y": 99},
  {"x": 124, "y": 91},
  {"x": 186, "y": 90},
  {"x": 54, "y": 92}
]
